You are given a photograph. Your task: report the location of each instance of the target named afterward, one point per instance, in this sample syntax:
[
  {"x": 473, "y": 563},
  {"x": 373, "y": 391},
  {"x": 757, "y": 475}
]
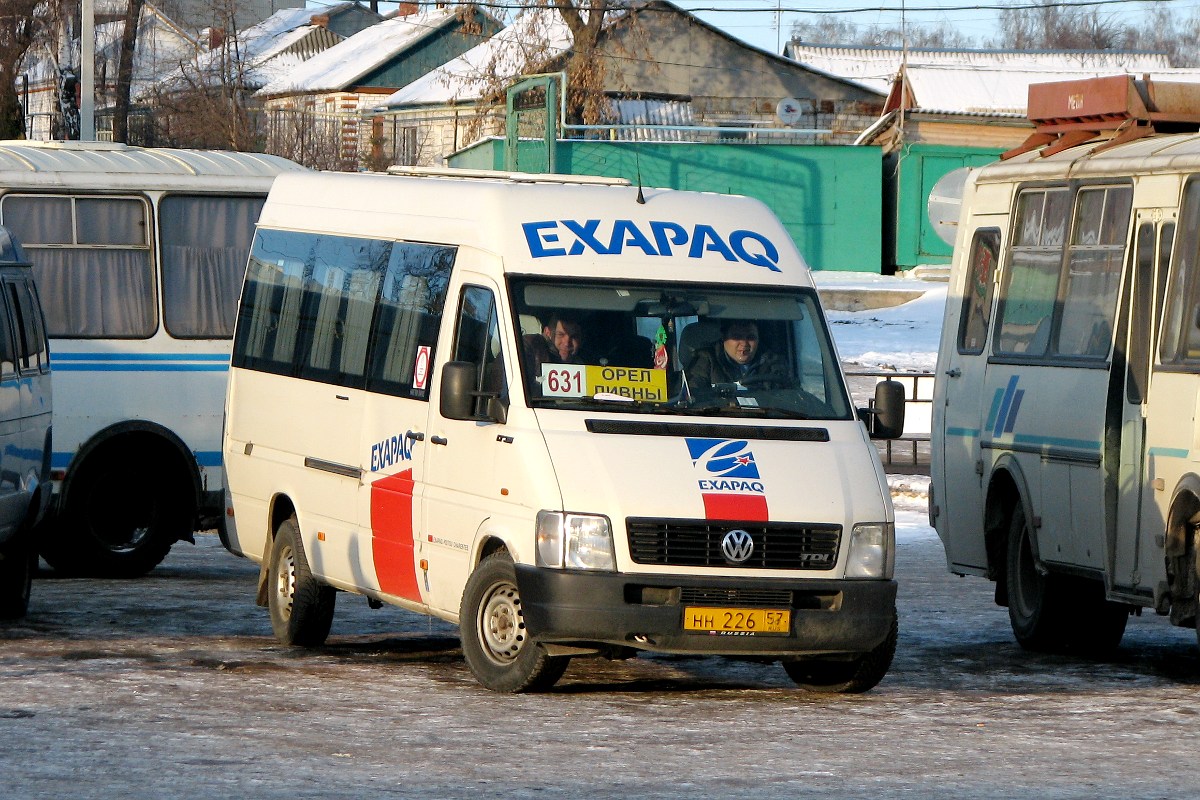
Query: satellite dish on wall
[
  {"x": 945, "y": 203},
  {"x": 789, "y": 110}
]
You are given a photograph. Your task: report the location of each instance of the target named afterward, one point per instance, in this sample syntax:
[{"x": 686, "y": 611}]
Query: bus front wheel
[
  {"x": 496, "y": 644},
  {"x": 1052, "y": 613}
]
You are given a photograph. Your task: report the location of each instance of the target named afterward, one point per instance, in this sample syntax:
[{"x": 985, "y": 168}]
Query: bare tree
[
  {"x": 125, "y": 56},
  {"x": 208, "y": 102},
  {"x": 834, "y": 29},
  {"x": 21, "y": 22},
  {"x": 1049, "y": 25}
]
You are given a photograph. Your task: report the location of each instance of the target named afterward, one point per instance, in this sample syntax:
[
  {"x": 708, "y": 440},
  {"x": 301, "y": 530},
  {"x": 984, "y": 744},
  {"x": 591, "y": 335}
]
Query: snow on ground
[{"x": 903, "y": 337}]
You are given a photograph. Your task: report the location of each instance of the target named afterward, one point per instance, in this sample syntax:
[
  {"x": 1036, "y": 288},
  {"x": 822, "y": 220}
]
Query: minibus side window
[
  {"x": 1181, "y": 332},
  {"x": 477, "y": 338},
  {"x": 1031, "y": 287},
  {"x": 31, "y": 344},
  {"x": 205, "y": 241},
  {"x": 1093, "y": 273},
  {"x": 342, "y": 280},
  {"x": 409, "y": 314},
  {"x": 8, "y": 349},
  {"x": 977, "y": 294},
  {"x": 91, "y": 257}
]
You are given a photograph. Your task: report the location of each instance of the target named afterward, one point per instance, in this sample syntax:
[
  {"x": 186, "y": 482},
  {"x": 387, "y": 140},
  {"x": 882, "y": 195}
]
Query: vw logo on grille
[{"x": 737, "y": 546}]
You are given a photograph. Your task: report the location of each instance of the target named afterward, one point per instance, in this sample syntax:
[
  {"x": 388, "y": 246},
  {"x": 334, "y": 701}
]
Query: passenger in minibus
[{"x": 559, "y": 342}]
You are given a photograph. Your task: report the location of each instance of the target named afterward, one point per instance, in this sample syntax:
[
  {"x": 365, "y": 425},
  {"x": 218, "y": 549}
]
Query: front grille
[
  {"x": 697, "y": 543},
  {"x": 753, "y": 598}
]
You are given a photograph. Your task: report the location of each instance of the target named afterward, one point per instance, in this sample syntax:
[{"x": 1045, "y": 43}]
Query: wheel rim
[
  {"x": 285, "y": 582},
  {"x": 1028, "y": 581},
  {"x": 122, "y": 517},
  {"x": 501, "y": 623}
]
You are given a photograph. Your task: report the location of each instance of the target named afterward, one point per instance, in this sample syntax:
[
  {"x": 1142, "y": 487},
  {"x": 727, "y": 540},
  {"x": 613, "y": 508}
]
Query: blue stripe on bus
[
  {"x": 140, "y": 357},
  {"x": 59, "y": 367},
  {"x": 969, "y": 433},
  {"x": 1170, "y": 452},
  {"x": 205, "y": 458},
  {"x": 1056, "y": 441}
]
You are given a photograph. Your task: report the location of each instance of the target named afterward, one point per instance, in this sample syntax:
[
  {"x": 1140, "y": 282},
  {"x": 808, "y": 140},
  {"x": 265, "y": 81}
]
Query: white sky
[{"x": 767, "y": 23}]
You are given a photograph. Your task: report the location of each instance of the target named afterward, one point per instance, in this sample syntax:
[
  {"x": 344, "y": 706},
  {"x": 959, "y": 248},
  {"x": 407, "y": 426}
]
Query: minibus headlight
[
  {"x": 872, "y": 550},
  {"x": 574, "y": 541}
]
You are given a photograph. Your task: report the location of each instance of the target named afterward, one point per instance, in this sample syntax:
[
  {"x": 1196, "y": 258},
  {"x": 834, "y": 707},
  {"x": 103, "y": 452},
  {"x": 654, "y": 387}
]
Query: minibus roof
[
  {"x": 105, "y": 165},
  {"x": 549, "y": 224}
]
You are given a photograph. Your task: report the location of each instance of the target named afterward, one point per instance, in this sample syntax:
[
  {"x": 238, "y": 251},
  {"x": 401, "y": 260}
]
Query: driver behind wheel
[{"x": 735, "y": 358}]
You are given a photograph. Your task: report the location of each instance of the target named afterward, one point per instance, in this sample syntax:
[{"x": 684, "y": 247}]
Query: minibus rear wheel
[
  {"x": 301, "y": 607},
  {"x": 855, "y": 676},
  {"x": 496, "y": 644}
]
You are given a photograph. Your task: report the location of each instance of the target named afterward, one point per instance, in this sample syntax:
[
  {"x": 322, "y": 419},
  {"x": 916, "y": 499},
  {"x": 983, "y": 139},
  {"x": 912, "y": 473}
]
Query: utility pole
[{"x": 87, "y": 71}]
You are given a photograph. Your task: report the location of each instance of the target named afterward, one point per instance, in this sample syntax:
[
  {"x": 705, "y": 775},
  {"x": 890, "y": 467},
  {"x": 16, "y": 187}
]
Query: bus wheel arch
[
  {"x": 1181, "y": 552},
  {"x": 131, "y": 492},
  {"x": 1006, "y": 491}
]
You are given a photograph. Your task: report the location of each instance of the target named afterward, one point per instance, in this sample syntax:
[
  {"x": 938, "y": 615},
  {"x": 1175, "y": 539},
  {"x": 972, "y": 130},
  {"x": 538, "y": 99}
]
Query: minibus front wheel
[
  {"x": 854, "y": 676},
  {"x": 496, "y": 644},
  {"x": 301, "y": 607}
]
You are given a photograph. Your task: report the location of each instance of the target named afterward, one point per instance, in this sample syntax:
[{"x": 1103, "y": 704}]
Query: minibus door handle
[
  {"x": 416, "y": 436},
  {"x": 954, "y": 373},
  {"x": 438, "y": 440}
]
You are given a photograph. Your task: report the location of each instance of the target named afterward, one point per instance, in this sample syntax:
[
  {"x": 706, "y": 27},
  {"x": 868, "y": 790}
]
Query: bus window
[
  {"x": 1180, "y": 335},
  {"x": 1032, "y": 284},
  {"x": 1093, "y": 273},
  {"x": 977, "y": 295},
  {"x": 205, "y": 241},
  {"x": 91, "y": 257}
]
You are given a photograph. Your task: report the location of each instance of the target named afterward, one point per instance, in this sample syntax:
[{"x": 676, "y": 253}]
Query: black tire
[
  {"x": 1036, "y": 610},
  {"x": 120, "y": 519},
  {"x": 854, "y": 676},
  {"x": 18, "y": 562},
  {"x": 1056, "y": 613},
  {"x": 497, "y": 647},
  {"x": 301, "y": 607}
]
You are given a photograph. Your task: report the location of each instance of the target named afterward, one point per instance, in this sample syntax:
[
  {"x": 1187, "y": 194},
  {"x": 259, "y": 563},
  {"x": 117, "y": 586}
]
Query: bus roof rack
[
  {"x": 1113, "y": 110},
  {"x": 519, "y": 177}
]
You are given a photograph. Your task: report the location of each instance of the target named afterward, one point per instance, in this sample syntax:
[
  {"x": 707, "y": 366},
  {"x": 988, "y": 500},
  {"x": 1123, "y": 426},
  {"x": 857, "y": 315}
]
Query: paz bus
[
  {"x": 138, "y": 255},
  {"x": 1066, "y": 432}
]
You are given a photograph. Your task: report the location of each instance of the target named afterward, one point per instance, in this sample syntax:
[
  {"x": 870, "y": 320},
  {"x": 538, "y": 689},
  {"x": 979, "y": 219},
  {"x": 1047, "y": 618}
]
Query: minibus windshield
[{"x": 657, "y": 348}]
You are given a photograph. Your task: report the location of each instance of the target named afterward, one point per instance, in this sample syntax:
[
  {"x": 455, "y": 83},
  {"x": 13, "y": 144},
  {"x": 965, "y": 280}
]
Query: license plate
[{"x": 738, "y": 621}]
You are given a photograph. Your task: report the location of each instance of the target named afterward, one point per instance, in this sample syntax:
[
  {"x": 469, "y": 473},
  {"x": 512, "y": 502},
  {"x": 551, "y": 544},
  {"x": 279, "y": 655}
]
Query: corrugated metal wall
[{"x": 829, "y": 197}]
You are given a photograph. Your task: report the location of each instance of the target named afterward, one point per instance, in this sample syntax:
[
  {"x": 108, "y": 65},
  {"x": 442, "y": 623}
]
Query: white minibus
[
  {"x": 139, "y": 256},
  {"x": 1066, "y": 432},
  {"x": 568, "y": 415}
]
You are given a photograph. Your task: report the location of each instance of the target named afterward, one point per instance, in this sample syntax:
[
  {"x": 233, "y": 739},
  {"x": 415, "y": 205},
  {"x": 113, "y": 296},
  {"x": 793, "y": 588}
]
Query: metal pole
[{"x": 87, "y": 71}]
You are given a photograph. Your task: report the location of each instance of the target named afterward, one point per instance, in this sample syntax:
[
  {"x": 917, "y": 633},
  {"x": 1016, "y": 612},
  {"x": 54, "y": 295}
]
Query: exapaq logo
[{"x": 723, "y": 458}]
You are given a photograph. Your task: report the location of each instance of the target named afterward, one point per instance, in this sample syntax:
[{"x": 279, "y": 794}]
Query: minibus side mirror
[
  {"x": 461, "y": 400},
  {"x": 885, "y": 420}
]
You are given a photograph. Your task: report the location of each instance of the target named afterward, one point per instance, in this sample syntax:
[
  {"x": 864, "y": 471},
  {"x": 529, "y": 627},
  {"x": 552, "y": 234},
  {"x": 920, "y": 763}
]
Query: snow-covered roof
[
  {"x": 534, "y": 35},
  {"x": 998, "y": 89},
  {"x": 341, "y": 65},
  {"x": 264, "y": 52},
  {"x": 878, "y": 66}
]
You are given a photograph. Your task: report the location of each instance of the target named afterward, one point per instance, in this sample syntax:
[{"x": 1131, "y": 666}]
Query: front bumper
[{"x": 646, "y": 611}]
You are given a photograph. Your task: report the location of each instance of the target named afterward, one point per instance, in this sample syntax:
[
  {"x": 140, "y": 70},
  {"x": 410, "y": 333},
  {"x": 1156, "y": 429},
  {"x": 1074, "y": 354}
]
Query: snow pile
[{"x": 903, "y": 337}]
